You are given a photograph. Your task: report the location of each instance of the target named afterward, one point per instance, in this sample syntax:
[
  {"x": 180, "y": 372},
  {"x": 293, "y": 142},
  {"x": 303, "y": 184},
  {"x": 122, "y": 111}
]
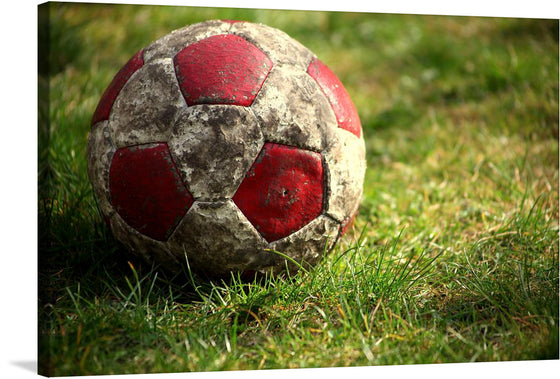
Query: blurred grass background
[{"x": 460, "y": 117}]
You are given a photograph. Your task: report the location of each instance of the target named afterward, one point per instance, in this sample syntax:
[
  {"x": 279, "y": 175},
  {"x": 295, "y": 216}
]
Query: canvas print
[{"x": 225, "y": 189}]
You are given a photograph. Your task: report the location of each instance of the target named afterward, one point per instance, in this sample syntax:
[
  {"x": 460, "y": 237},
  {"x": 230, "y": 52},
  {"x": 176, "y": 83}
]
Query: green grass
[{"x": 454, "y": 253}]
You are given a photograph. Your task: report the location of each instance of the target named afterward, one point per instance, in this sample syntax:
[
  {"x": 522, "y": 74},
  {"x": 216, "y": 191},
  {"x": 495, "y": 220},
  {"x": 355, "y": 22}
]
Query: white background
[{"x": 18, "y": 185}]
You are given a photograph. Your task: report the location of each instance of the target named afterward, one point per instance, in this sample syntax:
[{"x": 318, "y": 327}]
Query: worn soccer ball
[{"x": 230, "y": 147}]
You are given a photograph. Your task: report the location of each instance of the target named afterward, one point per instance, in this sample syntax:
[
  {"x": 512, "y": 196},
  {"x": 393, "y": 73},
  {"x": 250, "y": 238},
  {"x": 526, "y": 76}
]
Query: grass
[{"x": 454, "y": 253}]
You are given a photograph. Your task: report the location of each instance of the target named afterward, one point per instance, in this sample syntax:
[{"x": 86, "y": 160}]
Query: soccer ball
[{"x": 230, "y": 147}]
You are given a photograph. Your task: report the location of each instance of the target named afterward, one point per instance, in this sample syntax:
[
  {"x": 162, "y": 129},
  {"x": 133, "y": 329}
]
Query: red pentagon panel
[
  {"x": 228, "y": 21},
  {"x": 147, "y": 191},
  {"x": 343, "y": 107},
  {"x": 222, "y": 69},
  {"x": 283, "y": 190},
  {"x": 108, "y": 98},
  {"x": 347, "y": 223}
]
